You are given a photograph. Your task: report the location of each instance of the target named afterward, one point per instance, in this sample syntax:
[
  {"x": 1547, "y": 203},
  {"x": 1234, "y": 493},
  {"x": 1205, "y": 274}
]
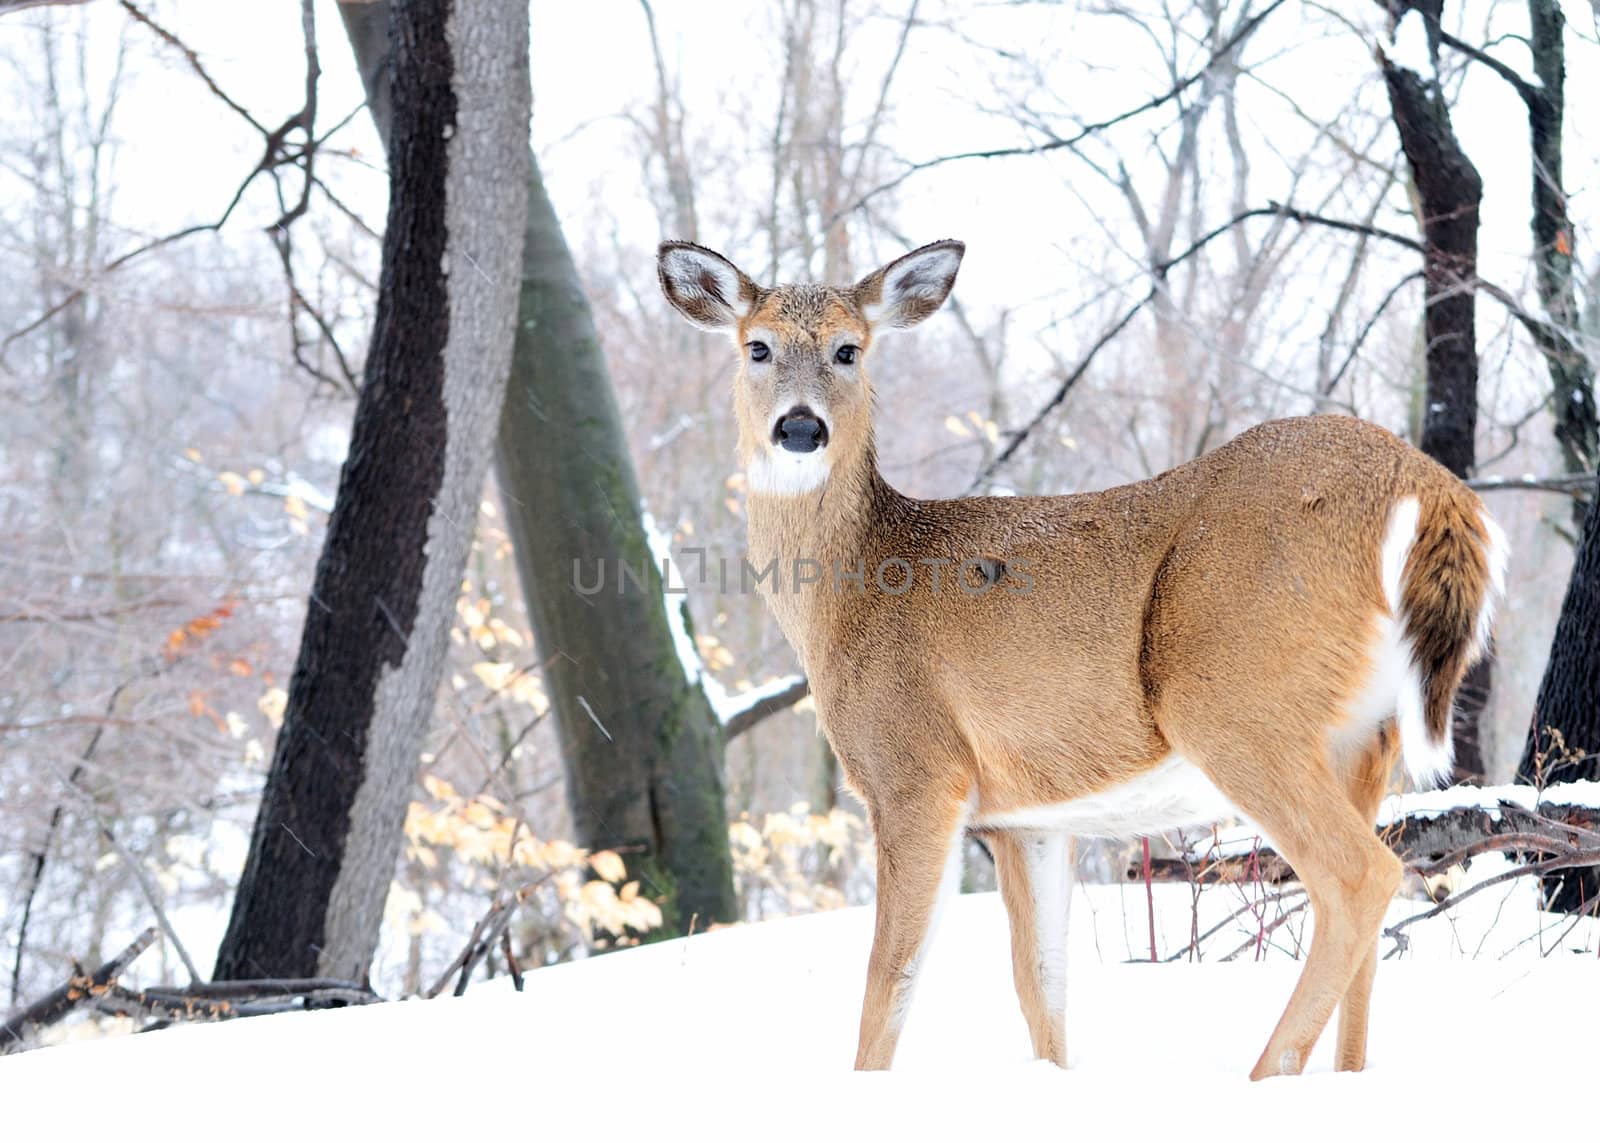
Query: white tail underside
[{"x": 1396, "y": 685}]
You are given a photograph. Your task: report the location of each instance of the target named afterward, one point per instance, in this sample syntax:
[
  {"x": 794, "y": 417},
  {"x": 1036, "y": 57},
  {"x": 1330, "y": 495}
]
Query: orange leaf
[
  {"x": 1563, "y": 242},
  {"x": 241, "y": 668}
]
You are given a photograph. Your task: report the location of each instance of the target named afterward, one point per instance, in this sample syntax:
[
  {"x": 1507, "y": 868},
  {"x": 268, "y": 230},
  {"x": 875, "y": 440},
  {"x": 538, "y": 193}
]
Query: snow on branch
[
  {"x": 1410, "y": 48},
  {"x": 1425, "y": 828},
  {"x": 736, "y": 711}
]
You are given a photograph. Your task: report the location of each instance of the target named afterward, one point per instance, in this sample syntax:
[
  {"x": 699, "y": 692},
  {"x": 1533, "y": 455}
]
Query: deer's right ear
[{"x": 704, "y": 286}]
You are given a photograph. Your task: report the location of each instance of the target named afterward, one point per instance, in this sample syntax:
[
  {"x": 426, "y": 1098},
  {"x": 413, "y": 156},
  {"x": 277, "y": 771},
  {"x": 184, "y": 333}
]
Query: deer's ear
[
  {"x": 912, "y": 286},
  {"x": 704, "y": 286}
]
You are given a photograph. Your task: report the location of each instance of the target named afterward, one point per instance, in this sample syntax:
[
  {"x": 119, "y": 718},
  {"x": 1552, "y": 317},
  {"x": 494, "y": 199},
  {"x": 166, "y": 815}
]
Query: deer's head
[{"x": 801, "y": 394}]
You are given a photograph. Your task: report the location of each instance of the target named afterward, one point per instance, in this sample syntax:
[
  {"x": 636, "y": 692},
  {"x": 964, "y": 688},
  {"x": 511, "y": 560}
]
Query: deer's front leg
[{"x": 919, "y": 865}]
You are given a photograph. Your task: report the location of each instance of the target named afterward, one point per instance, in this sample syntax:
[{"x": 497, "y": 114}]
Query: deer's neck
[{"x": 819, "y": 541}]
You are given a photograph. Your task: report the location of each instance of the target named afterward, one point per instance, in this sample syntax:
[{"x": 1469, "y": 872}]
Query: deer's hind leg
[
  {"x": 1367, "y": 782},
  {"x": 1036, "y": 884},
  {"x": 1286, "y": 786}
]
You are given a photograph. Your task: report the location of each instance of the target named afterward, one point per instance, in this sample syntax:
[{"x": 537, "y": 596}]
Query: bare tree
[
  {"x": 327, "y": 835},
  {"x": 640, "y": 743},
  {"x": 1448, "y": 192}
]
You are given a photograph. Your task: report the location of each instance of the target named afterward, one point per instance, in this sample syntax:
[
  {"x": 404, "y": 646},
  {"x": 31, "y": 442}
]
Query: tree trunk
[
  {"x": 310, "y": 901},
  {"x": 1449, "y": 190},
  {"x": 1571, "y": 370},
  {"x": 1565, "y": 743},
  {"x": 640, "y": 745},
  {"x": 1568, "y": 708}
]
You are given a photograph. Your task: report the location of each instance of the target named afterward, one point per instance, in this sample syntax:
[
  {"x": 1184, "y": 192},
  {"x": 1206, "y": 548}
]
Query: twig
[
  {"x": 1261, "y": 933},
  {"x": 1538, "y": 842},
  {"x": 511, "y": 959},
  {"x": 1543, "y": 334},
  {"x": 1531, "y": 95},
  {"x": 42, "y": 854},
  {"x": 1149, "y": 898},
  {"x": 9, "y": 6},
  {"x": 1574, "y": 860},
  {"x": 141, "y": 876},
  {"x": 1355, "y": 346},
  {"x": 1579, "y": 486},
  {"x": 44, "y": 615},
  {"x": 484, "y": 934},
  {"x": 195, "y": 65},
  {"x": 1082, "y": 133},
  {"x": 78, "y": 989},
  {"x": 1247, "y": 907},
  {"x": 277, "y": 152},
  {"x": 1060, "y": 394}
]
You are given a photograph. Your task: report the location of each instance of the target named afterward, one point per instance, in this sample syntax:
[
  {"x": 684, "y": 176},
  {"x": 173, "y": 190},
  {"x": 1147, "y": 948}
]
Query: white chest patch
[
  {"x": 777, "y": 472},
  {"x": 1172, "y": 795}
]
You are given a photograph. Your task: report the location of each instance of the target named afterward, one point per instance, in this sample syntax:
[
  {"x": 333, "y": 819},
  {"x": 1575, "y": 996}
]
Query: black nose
[{"x": 799, "y": 430}]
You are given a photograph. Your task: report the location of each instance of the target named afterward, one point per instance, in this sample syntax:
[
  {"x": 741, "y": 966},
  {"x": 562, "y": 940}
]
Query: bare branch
[
  {"x": 765, "y": 708},
  {"x": 195, "y": 65},
  {"x": 1361, "y": 337},
  {"x": 1061, "y": 392},
  {"x": 1580, "y": 486},
  {"x": 1054, "y": 144},
  {"x": 1159, "y": 272},
  {"x": 9, "y": 6},
  {"x": 1531, "y": 95}
]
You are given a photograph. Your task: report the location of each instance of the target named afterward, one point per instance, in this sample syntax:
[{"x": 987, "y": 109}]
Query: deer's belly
[{"x": 1171, "y": 795}]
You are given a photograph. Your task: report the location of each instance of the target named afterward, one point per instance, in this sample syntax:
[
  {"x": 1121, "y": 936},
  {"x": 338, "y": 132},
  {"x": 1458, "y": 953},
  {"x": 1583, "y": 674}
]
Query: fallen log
[
  {"x": 80, "y": 988},
  {"x": 1430, "y": 831}
]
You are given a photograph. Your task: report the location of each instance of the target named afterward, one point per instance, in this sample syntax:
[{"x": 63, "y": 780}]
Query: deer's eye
[
  {"x": 759, "y": 351},
  {"x": 846, "y": 354}
]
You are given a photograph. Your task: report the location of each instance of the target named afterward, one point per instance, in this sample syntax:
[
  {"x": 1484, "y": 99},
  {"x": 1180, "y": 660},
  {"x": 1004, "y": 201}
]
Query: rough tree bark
[
  {"x": 1565, "y": 743},
  {"x": 1449, "y": 190},
  {"x": 1571, "y": 370},
  {"x": 322, "y": 856},
  {"x": 641, "y": 746},
  {"x": 1569, "y": 693}
]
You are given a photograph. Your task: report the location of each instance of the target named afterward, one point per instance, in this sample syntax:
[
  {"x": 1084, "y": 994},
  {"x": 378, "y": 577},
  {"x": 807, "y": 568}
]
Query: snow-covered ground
[{"x": 749, "y": 1032}]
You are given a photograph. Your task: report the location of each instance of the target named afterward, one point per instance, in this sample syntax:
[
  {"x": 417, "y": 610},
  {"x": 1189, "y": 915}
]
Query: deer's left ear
[{"x": 912, "y": 286}]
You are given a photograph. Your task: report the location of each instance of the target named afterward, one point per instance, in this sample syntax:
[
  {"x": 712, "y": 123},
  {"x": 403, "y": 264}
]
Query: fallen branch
[
  {"x": 1575, "y": 860},
  {"x": 1426, "y": 831},
  {"x": 79, "y": 989},
  {"x": 232, "y": 999}
]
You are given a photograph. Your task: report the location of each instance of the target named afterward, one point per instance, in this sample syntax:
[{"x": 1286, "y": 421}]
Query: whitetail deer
[{"x": 1259, "y": 631}]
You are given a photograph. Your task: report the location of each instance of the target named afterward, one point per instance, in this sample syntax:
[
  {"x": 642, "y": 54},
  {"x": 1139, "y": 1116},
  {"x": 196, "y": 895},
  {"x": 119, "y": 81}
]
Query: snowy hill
[{"x": 749, "y": 1032}]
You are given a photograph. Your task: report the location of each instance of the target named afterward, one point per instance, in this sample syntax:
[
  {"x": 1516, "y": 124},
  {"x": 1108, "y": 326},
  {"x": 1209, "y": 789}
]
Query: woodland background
[{"x": 1182, "y": 219}]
